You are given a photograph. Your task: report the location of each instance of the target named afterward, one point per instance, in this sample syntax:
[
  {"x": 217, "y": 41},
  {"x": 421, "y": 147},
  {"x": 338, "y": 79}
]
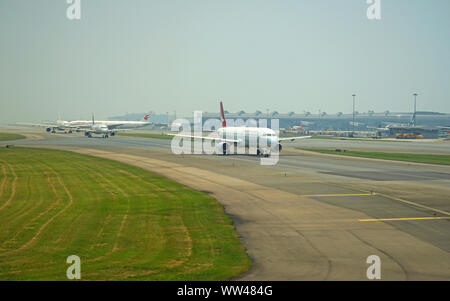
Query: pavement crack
[
  {"x": 382, "y": 251},
  {"x": 329, "y": 264}
]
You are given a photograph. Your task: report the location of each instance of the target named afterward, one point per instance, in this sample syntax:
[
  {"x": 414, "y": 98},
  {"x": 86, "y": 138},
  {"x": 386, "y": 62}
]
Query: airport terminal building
[{"x": 385, "y": 124}]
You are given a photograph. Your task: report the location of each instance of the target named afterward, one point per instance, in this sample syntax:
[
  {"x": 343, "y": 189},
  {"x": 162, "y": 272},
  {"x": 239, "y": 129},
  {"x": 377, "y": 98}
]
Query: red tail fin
[
  {"x": 146, "y": 117},
  {"x": 222, "y": 115}
]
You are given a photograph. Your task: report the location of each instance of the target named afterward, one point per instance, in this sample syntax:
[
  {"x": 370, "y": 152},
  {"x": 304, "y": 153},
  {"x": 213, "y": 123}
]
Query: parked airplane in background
[
  {"x": 52, "y": 126},
  {"x": 115, "y": 124},
  {"x": 266, "y": 139},
  {"x": 297, "y": 127},
  {"x": 302, "y": 125},
  {"x": 356, "y": 123},
  {"x": 104, "y": 127},
  {"x": 109, "y": 128}
]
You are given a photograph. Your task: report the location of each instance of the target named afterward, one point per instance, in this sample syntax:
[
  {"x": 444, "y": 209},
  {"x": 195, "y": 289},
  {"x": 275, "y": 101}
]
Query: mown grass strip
[
  {"x": 359, "y": 139},
  {"x": 10, "y": 137},
  {"x": 124, "y": 223},
  {"x": 418, "y": 158}
]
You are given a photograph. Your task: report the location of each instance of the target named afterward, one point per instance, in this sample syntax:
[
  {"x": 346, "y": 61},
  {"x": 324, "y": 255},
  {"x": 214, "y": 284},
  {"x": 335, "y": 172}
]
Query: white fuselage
[
  {"x": 99, "y": 128},
  {"x": 109, "y": 123},
  {"x": 261, "y": 136}
]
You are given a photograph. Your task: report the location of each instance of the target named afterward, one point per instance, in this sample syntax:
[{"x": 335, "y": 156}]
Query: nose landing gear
[{"x": 263, "y": 153}]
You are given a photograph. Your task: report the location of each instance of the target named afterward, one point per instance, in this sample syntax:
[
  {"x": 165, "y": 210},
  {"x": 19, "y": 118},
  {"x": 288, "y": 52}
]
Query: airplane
[
  {"x": 97, "y": 128},
  {"x": 109, "y": 128},
  {"x": 380, "y": 128},
  {"x": 297, "y": 127},
  {"x": 52, "y": 126},
  {"x": 91, "y": 126},
  {"x": 115, "y": 124},
  {"x": 356, "y": 123},
  {"x": 301, "y": 125},
  {"x": 223, "y": 143}
]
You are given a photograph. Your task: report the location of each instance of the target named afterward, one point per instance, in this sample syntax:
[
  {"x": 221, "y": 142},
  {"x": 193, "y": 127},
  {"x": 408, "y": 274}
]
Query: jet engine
[{"x": 223, "y": 148}]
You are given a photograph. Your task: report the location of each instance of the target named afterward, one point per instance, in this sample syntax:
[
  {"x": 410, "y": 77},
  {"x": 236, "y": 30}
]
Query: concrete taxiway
[{"x": 311, "y": 216}]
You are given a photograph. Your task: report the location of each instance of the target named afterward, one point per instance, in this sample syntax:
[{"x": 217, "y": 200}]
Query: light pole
[
  {"x": 414, "y": 114},
  {"x": 353, "y": 123},
  {"x": 168, "y": 121}
]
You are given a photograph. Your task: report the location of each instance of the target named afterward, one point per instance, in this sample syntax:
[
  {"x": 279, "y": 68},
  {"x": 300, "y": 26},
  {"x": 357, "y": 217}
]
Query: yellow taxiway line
[{"x": 402, "y": 219}]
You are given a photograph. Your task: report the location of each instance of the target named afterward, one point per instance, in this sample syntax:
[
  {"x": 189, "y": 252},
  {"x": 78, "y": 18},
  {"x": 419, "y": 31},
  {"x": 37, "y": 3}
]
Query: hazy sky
[{"x": 185, "y": 55}]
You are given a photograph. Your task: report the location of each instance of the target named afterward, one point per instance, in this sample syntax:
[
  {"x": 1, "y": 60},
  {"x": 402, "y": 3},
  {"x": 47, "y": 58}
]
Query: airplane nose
[{"x": 272, "y": 142}]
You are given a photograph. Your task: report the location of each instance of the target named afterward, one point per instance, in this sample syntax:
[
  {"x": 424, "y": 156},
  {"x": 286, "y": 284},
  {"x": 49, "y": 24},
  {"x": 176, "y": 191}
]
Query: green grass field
[
  {"x": 145, "y": 135},
  {"x": 418, "y": 158},
  {"x": 9, "y": 136},
  {"x": 359, "y": 139},
  {"x": 124, "y": 223}
]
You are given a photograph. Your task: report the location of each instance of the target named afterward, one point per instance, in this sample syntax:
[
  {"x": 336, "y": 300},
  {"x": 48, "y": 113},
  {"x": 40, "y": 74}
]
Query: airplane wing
[
  {"x": 120, "y": 130},
  {"x": 159, "y": 124},
  {"x": 293, "y": 138},
  {"x": 35, "y": 124},
  {"x": 46, "y": 125},
  {"x": 206, "y": 138},
  {"x": 114, "y": 126}
]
